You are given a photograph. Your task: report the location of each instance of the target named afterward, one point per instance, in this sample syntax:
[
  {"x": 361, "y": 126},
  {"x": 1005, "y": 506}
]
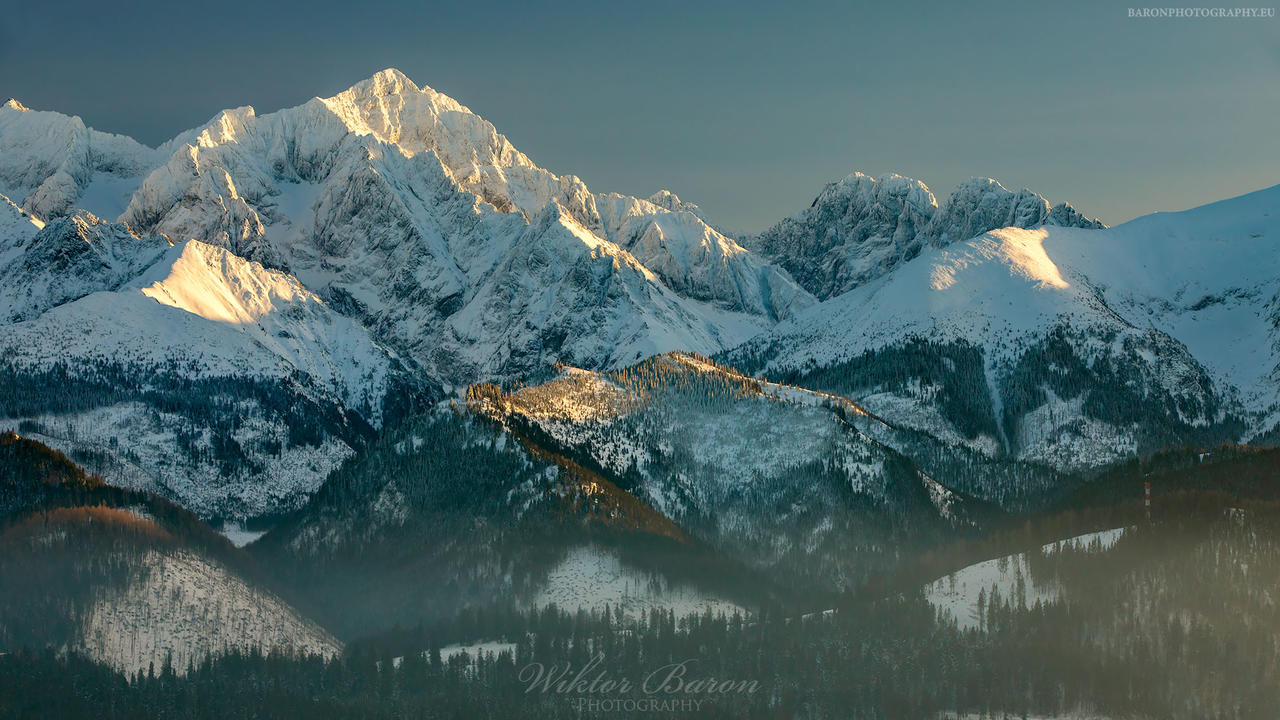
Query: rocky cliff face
[
  {"x": 269, "y": 282},
  {"x": 273, "y": 283},
  {"x": 980, "y": 205}
]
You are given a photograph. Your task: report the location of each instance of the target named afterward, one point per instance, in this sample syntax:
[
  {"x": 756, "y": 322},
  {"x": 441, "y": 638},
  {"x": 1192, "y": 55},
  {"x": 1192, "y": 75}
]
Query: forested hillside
[
  {"x": 1175, "y": 620},
  {"x": 124, "y": 577}
]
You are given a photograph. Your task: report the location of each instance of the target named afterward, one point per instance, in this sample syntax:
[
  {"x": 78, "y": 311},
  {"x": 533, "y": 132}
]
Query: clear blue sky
[{"x": 744, "y": 107}]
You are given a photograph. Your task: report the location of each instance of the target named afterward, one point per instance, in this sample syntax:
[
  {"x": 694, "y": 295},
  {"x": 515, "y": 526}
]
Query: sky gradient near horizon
[{"x": 746, "y": 108}]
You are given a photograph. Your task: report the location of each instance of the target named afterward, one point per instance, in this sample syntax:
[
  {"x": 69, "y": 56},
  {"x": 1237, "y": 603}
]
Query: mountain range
[{"x": 372, "y": 326}]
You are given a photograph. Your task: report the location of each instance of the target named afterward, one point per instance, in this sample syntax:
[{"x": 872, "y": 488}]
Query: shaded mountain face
[
  {"x": 34, "y": 476},
  {"x": 439, "y": 514},
  {"x": 1066, "y": 347},
  {"x": 688, "y": 483},
  {"x": 861, "y": 227},
  {"x": 125, "y": 578},
  {"x": 67, "y": 259}
]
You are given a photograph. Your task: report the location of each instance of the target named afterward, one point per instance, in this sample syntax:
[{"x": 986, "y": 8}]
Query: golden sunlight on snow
[
  {"x": 236, "y": 293},
  {"x": 1022, "y": 250}
]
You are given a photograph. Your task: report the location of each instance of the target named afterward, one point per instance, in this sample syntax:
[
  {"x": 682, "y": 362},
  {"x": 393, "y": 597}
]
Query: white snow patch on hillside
[
  {"x": 475, "y": 650},
  {"x": 591, "y": 578},
  {"x": 238, "y": 535},
  {"x": 107, "y": 195},
  {"x": 185, "y": 608},
  {"x": 1059, "y": 435},
  {"x": 957, "y": 594}
]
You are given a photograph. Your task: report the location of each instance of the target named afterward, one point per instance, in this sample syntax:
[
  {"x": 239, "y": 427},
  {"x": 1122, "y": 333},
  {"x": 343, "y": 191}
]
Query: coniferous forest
[{"x": 1175, "y": 619}]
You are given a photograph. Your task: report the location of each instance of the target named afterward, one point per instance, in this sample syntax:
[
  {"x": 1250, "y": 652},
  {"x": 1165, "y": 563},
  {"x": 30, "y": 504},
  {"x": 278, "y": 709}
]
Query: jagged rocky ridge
[
  {"x": 273, "y": 282},
  {"x": 861, "y": 227}
]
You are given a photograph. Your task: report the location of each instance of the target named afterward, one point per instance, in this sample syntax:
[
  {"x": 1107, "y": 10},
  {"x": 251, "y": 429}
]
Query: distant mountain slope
[
  {"x": 861, "y": 227},
  {"x": 278, "y": 289},
  {"x": 124, "y": 577},
  {"x": 1069, "y": 347}
]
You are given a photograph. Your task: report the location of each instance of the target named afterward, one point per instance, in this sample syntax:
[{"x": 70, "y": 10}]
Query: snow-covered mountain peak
[
  {"x": 668, "y": 200},
  {"x": 69, "y": 233},
  {"x": 981, "y": 204},
  {"x": 856, "y": 229},
  {"x": 51, "y": 163},
  {"x": 389, "y": 82},
  {"x": 860, "y": 227},
  {"x": 862, "y": 188},
  {"x": 226, "y": 127},
  {"x": 13, "y": 104},
  {"x": 977, "y": 186},
  {"x": 1074, "y": 346},
  {"x": 393, "y": 109},
  {"x": 411, "y": 214},
  {"x": 66, "y": 259}
]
